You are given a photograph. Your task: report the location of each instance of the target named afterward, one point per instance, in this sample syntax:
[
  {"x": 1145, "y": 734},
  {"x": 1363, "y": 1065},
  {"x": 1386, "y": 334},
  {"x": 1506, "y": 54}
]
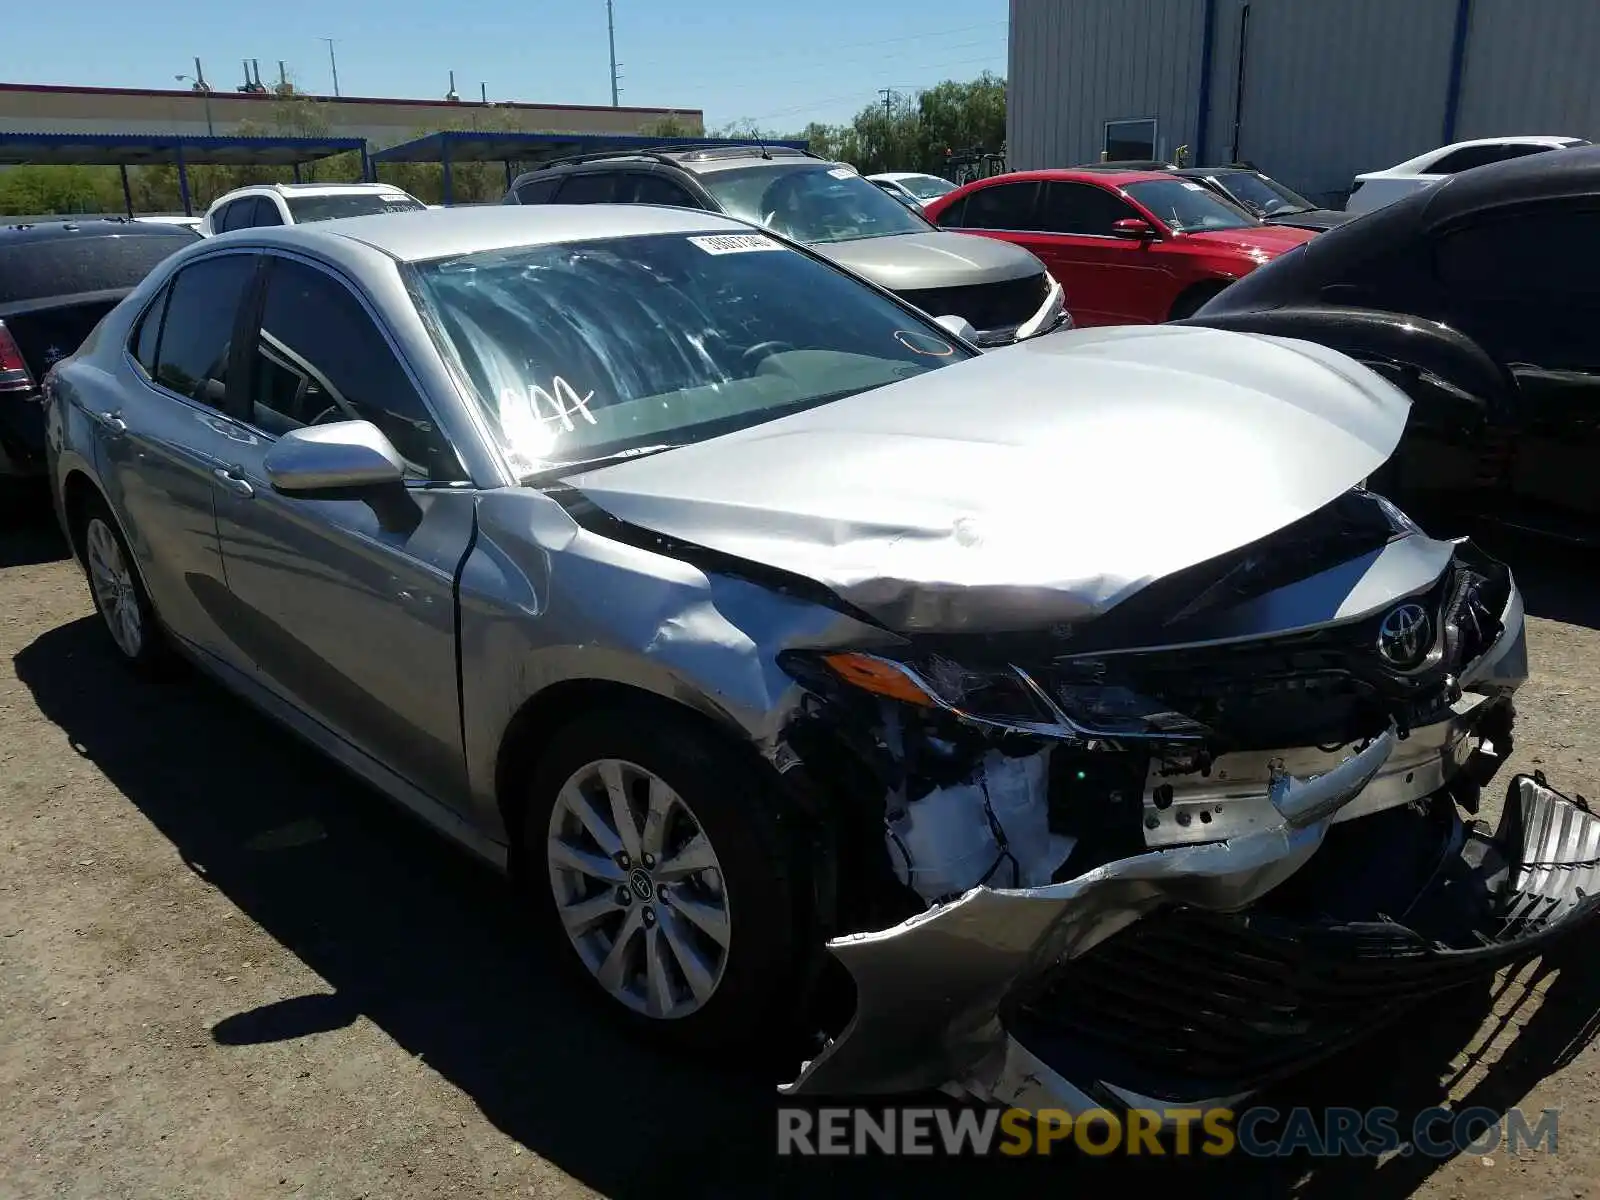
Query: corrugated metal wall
[
  {"x": 1533, "y": 66},
  {"x": 1331, "y": 87},
  {"x": 1076, "y": 64}
]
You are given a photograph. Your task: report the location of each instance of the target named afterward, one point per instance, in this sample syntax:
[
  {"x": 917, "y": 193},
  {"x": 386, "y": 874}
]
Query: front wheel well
[
  {"x": 1191, "y": 299},
  {"x": 541, "y": 718}
]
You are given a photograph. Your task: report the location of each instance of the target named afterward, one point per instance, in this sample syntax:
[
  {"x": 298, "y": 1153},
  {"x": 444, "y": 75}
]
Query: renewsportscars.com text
[{"x": 1213, "y": 1132}]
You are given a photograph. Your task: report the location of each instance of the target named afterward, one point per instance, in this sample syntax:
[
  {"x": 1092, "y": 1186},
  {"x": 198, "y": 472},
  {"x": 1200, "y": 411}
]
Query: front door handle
[
  {"x": 233, "y": 479},
  {"x": 111, "y": 420}
]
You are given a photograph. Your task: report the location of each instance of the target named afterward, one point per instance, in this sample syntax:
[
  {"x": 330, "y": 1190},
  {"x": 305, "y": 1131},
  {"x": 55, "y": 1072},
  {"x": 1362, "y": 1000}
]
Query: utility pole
[
  {"x": 888, "y": 103},
  {"x": 333, "y": 63},
  {"x": 611, "y": 37}
]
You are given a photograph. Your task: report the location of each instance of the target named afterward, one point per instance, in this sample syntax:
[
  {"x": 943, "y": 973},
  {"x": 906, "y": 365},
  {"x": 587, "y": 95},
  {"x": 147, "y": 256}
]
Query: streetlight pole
[
  {"x": 611, "y": 36},
  {"x": 333, "y": 63},
  {"x": 204, "y": 89}
]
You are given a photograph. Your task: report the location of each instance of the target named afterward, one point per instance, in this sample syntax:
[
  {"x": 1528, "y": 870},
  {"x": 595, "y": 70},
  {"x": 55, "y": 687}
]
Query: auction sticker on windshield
[{"x": 734, "y": 243}]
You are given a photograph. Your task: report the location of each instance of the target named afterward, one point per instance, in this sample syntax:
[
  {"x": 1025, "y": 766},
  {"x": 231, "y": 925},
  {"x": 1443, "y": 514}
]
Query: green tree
[
  {"x": 673, "y": 125},
  {"x": 912, "y": 134}
]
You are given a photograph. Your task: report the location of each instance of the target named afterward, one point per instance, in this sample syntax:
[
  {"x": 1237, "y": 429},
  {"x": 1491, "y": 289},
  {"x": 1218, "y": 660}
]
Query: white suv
[{"x": 297, "y": 203}]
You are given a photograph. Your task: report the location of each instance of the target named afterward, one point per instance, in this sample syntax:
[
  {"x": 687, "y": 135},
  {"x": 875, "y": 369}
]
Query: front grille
[
  {"x": 1188, "y": 1003},
  {"x": 1325, "y": 687},
  {"x": 986, "y": 305}
]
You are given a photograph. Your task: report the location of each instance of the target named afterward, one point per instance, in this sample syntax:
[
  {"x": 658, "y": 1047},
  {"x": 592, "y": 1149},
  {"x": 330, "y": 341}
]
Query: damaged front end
[{"x": 1193, "y": 845}]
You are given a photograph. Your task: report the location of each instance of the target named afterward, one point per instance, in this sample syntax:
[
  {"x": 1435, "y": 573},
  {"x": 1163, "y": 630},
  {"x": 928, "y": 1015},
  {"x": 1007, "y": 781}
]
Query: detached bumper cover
[
  {"x": 929, "y": 990},
  {"x": 1063, "y": 997}
]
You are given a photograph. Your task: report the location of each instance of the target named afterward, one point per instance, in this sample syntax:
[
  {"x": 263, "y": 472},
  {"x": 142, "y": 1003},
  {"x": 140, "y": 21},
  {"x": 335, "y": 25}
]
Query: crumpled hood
[
  {"x": 912, "y": 261},
  {"x": 1040, "y": 483},
  {"x": 1259, "y": 241}
]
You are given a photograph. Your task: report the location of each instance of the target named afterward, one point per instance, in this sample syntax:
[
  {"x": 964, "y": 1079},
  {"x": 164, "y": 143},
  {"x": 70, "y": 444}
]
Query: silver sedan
[{"x": 768, "y": 632}]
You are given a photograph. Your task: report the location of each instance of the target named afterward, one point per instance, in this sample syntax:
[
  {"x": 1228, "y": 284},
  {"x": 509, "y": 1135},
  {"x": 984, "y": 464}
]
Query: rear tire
[
  {"x": 126, "y": 613},
  {"x": 659, "y": 864}
]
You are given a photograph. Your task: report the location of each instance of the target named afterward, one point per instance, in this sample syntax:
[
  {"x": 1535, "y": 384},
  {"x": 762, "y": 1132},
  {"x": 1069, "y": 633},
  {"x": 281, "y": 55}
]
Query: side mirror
[
  {"x": 1133, "y": 229},
  {"x": 959, "y": 326},
  {"x": 343, "y": 455}
]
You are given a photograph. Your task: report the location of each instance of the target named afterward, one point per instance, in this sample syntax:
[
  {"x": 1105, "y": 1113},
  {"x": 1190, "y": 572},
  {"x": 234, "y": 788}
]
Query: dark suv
[{"x": 1001, "y": 290}]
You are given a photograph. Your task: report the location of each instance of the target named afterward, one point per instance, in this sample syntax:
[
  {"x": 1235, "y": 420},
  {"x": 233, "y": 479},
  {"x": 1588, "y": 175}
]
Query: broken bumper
[
  {"x": 1082, "y": 995},
  {"x": 1164, "y": 978}
]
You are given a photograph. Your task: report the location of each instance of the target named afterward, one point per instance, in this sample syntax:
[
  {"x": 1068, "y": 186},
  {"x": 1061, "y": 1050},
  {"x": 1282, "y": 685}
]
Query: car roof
[
  {"x": 1562, "y": 173},
  {"x": 432, "y": 233},
  {"x": 55, "y": 229},
  {"x": 894, "y": 176},
  {"x": 1114, "y": 178},
  {"x": 1421, "y": 162},
  {"x": 311, "y": 189},
  {"x": 696, "y": 158}
]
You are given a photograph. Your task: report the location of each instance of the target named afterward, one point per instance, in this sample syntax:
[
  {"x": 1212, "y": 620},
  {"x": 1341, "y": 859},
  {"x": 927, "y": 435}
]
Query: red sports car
[{"x": 1129, "y": 247}]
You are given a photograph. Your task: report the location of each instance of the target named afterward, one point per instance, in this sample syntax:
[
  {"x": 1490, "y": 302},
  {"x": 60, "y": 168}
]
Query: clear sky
[{"x": 779, "y": 62}]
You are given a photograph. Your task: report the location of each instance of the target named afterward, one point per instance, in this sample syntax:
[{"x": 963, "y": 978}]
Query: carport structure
[
  {"x": 530, "y": 149},
  {"x": 124, "y": 150}
]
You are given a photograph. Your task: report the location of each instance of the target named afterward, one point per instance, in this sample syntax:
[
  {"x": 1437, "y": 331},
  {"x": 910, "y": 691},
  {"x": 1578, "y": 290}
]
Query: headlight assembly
[{"x": 1009, "y": 699}]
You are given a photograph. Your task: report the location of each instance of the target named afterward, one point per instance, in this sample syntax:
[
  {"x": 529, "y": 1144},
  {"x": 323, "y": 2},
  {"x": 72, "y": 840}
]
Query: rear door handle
[
  {"x": 233, "y": 479},
  {"x": 111, "y": 420}
]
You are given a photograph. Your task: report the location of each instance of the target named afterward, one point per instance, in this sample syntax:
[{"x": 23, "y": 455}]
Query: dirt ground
[{"x": 227, "y": 971}]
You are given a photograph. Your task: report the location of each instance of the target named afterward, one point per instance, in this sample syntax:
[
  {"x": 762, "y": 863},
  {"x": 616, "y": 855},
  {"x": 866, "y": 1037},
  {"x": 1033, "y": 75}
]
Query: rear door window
[
  {"x": 955, "y": 216},
  {"x": 149, "y": 332},
  {"x": 539, "y": 191},
  {"x": 1481, "y": 156},
  {"x": 597, "y": 188},
  {"x": 1002, "y": 206},
  {"x": 266, "y": 213},
  {"x": 197, "y": 332},
  {"x": 1082, "y": 209}
]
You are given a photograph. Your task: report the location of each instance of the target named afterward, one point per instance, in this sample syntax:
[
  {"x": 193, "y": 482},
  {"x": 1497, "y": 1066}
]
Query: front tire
[
  {"x": 118, "y": 592},
  {"x": 660, "y": 863}
]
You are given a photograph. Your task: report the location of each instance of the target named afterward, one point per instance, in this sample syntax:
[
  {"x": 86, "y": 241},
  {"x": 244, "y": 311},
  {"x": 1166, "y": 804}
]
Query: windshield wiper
[{"x": 557, "y": 470}]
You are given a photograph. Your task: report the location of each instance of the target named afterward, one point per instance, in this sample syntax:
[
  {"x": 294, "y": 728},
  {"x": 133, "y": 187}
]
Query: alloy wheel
[
  {"x": 114, "y": 590},
  {"x": 638, "y": 889}
]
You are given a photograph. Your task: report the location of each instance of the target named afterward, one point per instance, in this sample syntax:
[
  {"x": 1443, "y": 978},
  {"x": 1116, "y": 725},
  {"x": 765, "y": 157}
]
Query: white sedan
[
  {"x": 1374, "y": 189},
  {"x": 916, "y": 189}
]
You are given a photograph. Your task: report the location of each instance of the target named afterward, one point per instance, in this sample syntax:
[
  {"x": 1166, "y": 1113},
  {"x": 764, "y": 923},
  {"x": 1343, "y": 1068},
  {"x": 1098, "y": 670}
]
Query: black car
[
  {"x": 1265, "y": 197},
  {"x": 57, "y": 279},
  {"x": 1480, "y": 297}
]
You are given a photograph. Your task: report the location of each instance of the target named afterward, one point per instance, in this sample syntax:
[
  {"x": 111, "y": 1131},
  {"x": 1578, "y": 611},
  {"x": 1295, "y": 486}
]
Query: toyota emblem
[
  {"x": 642, "y": 887},
  {"x": 1405, "y": 636}
]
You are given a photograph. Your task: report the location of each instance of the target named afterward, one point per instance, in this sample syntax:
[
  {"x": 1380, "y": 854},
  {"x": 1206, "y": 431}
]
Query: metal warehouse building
[{"x": 1310, "y": 91}]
